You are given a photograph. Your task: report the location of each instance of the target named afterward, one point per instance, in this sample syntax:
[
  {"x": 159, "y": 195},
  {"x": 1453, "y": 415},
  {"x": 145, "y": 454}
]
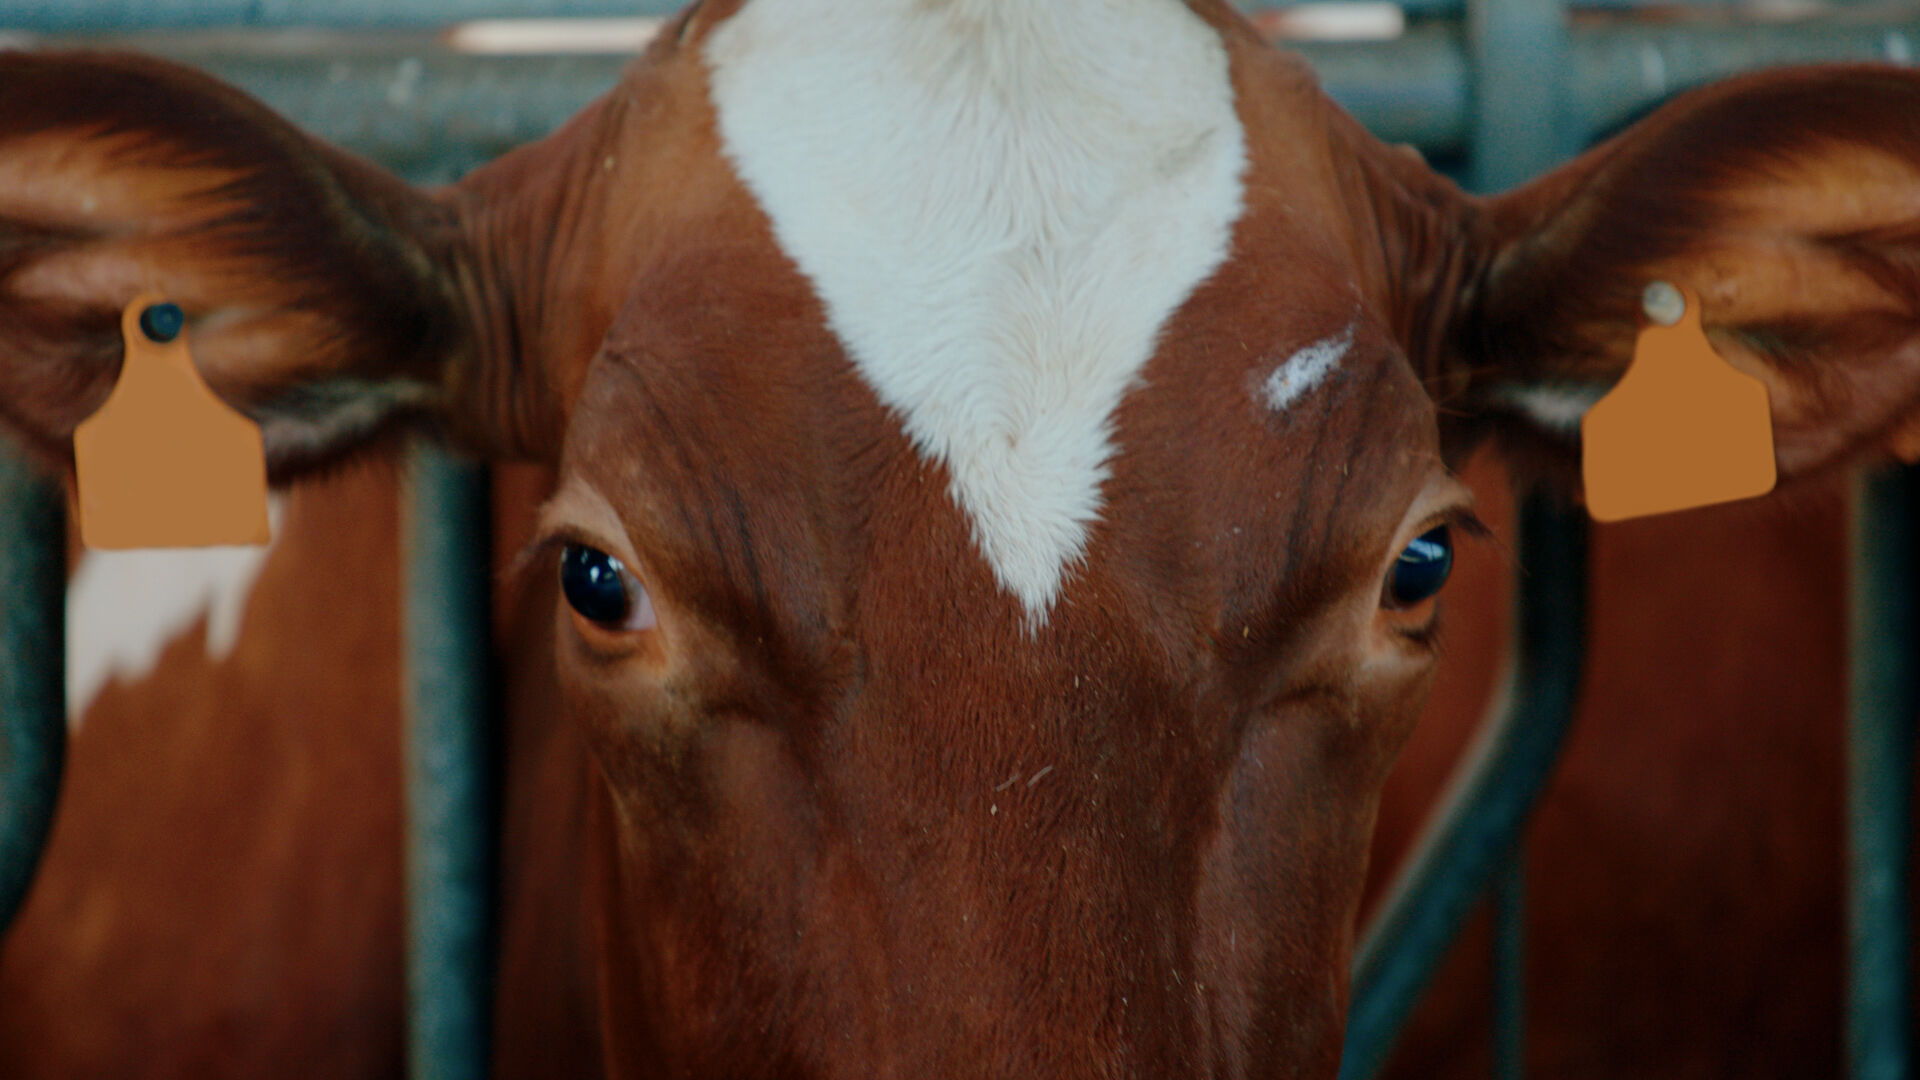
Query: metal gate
[{"x": 1495, "y": 90}]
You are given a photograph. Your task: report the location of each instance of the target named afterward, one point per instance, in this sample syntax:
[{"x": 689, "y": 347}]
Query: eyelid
[{"x": 535, "y": 552}]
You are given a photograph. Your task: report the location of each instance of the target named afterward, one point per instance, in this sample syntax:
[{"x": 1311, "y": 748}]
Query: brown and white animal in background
[{"x": 1002, "y": 458}]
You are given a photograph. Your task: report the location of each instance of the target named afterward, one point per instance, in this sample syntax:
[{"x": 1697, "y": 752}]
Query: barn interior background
[{"x": 1494, "y": 91}]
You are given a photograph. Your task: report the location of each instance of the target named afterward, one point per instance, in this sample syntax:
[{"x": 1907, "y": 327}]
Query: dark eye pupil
[
  {"x": 595, "y": 584},
  {"x": 1422, "y": 568}
]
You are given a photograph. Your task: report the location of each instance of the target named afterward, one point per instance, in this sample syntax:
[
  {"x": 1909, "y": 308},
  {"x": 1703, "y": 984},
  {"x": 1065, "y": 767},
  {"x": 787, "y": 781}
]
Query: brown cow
[{"x": 928, "y": 693}]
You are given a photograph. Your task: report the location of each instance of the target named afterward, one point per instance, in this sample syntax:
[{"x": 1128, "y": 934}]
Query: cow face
[
  {"x": 999, "y": 508},
  {"x": 1002, "y": 495}
]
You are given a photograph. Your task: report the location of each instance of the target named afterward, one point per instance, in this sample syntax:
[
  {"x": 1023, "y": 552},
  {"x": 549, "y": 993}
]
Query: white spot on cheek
[
  {"x": 1306, "y": 369},
  {"x": 125, "y": 607}
]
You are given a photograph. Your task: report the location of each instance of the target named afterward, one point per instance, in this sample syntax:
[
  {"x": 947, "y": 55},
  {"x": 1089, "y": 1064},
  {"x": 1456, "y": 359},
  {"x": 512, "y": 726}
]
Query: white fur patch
[
  {"x": 125, "y": 607},
  {"x": 1000, "y": 205},
  {"x": 1558, "y": 409},
  {"x": 1306, "y": 369}
]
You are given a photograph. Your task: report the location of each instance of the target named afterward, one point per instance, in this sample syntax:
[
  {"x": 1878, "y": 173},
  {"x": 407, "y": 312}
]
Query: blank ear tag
[
  {"x": 165, "y": 463},
  {"x": 1682, "y": 429}
]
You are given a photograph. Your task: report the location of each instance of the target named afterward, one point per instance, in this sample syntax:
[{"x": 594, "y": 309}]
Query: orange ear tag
[
  {"x": 165, "y": 463},
  {"x": 1682, "y": 429}
]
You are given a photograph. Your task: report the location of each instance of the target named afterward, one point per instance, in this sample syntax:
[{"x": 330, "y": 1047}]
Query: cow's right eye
[{"x": 602, "y": 591}]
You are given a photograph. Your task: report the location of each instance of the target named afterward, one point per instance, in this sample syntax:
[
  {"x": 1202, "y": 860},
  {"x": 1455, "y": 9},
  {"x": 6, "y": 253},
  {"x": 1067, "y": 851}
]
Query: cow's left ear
[{"x": 1788, "y": 202}]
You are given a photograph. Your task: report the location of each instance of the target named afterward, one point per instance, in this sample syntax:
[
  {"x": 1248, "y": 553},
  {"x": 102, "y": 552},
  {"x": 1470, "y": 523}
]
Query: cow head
[{"x": 1003, "y": 467}]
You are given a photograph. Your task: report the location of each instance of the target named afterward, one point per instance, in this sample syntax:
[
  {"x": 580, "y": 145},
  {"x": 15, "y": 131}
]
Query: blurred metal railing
[
  {"x": 33, "y": 717},
  {"x": 86, "y": 15},
  {"x": 1880, "y": 741},
  {"x": 432, "y": 113}
]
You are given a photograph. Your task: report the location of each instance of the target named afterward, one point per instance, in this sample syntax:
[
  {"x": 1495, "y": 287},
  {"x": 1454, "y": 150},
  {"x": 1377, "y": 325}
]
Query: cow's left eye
[
  {"x": 1421, "y": 569},
  {"x": 602, "y": 591}
]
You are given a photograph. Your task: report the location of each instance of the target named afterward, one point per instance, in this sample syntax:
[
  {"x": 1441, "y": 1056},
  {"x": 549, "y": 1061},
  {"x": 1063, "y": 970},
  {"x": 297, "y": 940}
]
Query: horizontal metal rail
[
  {"x": 33, "y": 715},
  {"x": 82, "y": 15},
  {"x": 1478, "y": 825},
  {"x": 66, "y": 15},
  {"x": 1451, "y": 8},
  {"x": 432, "y": 114}
]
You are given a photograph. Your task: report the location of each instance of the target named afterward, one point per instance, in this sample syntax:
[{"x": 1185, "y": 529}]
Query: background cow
[{"x": 664, "y": 290}]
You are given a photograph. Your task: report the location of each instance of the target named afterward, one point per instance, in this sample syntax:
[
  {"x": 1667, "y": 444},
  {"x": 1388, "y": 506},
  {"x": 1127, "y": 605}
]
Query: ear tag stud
[
  {"x": 165, "y": 463},
  {"x": 1682, "y": 429}
]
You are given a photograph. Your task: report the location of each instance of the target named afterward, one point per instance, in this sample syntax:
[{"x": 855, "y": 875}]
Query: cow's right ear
[{"x": 325, "y": 298}]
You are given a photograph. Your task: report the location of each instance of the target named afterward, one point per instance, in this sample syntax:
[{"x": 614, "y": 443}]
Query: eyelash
[
  {"x": 536, "y": 554},
  {"x": 1462, "y": 518}
]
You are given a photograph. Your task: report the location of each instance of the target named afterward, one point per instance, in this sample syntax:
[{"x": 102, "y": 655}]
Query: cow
[{"x": 1003, "y": 463}]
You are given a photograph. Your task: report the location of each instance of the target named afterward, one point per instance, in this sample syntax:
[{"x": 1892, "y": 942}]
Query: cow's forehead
[
  {"x": 1000, "y": 205},
  {"x": 1041, "y": 238}
]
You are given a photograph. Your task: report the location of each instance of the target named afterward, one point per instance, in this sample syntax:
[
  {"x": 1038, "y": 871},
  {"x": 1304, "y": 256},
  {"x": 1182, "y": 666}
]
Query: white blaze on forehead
[
  {"x": 125, "y": 607},
  {"x": 1000, "y": 205},
  {"x": 1306, "y": 369}
]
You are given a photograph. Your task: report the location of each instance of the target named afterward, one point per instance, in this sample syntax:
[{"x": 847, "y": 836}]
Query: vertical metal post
[
  {"x": 1478, "y": 827},
  {"x": 1520, "y": 54},
  {"x": 33, "y": 714},
  {"x": 450, "y": 758},
  {"x": 1509, "y": 970},
  {"x": 1880, "y": 749}
]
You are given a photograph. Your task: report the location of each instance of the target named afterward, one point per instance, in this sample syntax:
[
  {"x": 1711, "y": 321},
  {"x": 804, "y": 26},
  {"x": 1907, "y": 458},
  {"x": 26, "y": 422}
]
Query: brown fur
[{"x": 221, "y": 893}]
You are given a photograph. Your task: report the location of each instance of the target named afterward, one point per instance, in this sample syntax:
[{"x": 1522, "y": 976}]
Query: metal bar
[
  {"x": 1880, "y": 749},
  {"x": 66, "y": 16},
  {"x": 1517, "y": 50},
  {"x": 1621, "y": 69},
  {"x": 1522, "y": 126},
  {"x": 1428, "y": 9},
  {"x": 1509, "y": 970},
  {"x": 450, "y": 771},
  {"x": 432, "y": 114},
  {"x": 33, "y": 714},
  {"x": 422, "y": 111},
  {"x": 1480, "y": 820}
]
